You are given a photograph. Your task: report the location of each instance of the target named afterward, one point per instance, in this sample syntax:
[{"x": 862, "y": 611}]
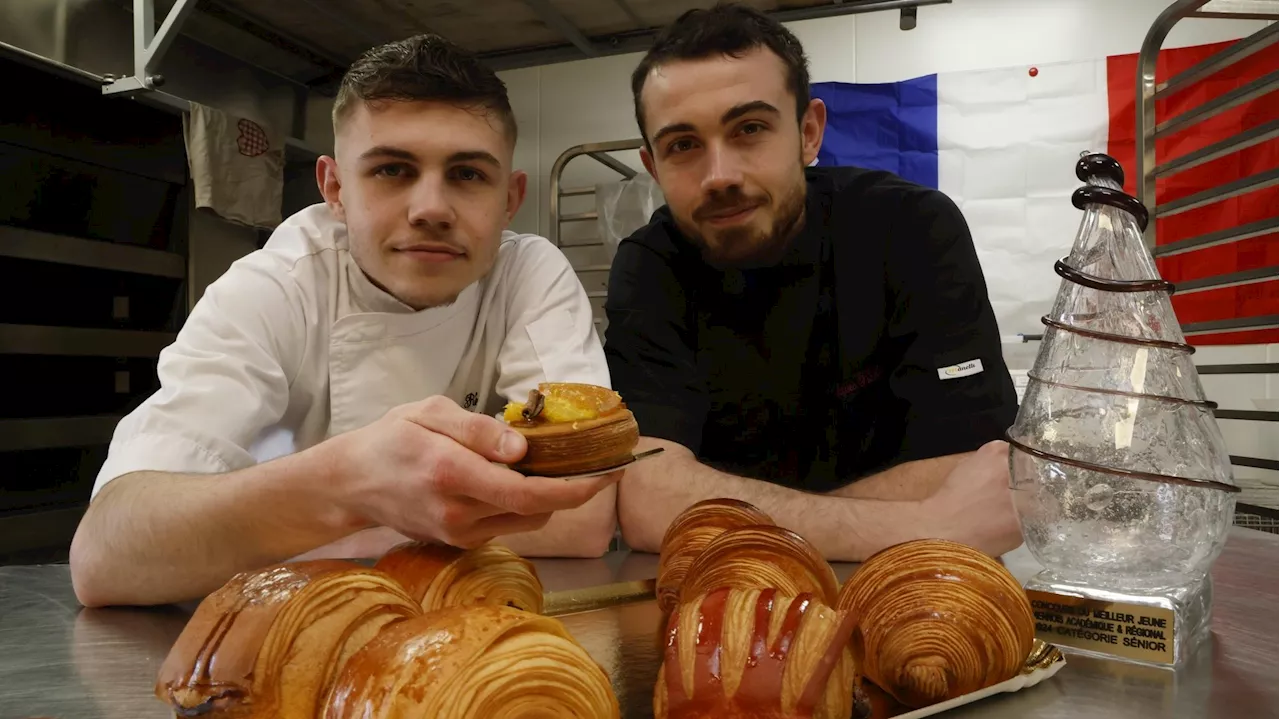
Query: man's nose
[
  {"x": 430, "y": 203},
  {"x": 724, "y": 169}
]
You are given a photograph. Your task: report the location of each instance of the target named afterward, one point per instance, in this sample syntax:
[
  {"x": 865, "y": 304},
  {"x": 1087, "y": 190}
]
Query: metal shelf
[
  {"x": 1248, "y": 138},
  {"x": 597, "y": 151},
  {"x": 1237, "y": 51},
  {"x": 1253, "y": 415},
  {"x": 24, "y": 244},
  {"x": 56, "y": 432},
  {"x": 1231, "y": 279},
  {"x": 1218, "y": 194},
  {"x": 1220, "y": 237},
  {"x": 80, "y": 341},
  {"x": 1221, "y": 104}
]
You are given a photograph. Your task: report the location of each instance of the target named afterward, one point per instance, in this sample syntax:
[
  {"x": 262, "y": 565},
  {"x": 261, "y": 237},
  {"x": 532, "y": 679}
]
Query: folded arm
[
  {"x": 158, "y": 537},
  {"x": 930, "y": 498}
]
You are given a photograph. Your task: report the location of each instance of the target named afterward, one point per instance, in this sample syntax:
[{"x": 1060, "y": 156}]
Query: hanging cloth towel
[{"x": 237, "y": 166}]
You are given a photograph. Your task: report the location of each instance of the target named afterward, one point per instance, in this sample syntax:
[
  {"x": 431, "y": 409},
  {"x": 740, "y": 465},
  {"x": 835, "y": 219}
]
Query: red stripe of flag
[{"x": 1228, "y": 302}]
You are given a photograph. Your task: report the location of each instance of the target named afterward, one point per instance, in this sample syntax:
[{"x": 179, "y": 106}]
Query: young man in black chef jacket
[{"x": 816, "y": 341}]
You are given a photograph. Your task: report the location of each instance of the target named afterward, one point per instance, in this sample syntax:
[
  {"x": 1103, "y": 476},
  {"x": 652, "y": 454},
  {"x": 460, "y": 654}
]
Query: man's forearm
[
  {"x": 909, "y": 481},
  {"x": 154, "y": 538},
  {"x": 654, "y": 493}
]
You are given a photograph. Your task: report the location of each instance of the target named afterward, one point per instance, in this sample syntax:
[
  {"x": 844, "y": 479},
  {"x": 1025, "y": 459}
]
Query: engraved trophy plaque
[{"x": 1120, "y": 476}]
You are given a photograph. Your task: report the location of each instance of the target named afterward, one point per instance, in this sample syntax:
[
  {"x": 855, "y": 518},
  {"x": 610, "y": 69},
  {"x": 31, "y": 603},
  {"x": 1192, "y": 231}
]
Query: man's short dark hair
[
  {"x": 727, "y": 29},
  {"x": 424, "y": 68}
]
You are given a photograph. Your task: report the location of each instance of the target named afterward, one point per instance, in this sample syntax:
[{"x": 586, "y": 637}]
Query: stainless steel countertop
[{"x": 62, "y": 661}]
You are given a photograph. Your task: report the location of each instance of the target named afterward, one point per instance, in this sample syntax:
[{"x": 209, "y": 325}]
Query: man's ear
[
  {"x": 330, "y": 186},
  {"x": 517, "y": 185},
  {"x": 812, "y": 127},
  {"x": 647, "y": 158}
]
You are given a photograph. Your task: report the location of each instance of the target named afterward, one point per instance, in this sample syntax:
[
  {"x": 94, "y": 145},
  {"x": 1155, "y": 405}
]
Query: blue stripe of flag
[{"x": 882, "y": 126}]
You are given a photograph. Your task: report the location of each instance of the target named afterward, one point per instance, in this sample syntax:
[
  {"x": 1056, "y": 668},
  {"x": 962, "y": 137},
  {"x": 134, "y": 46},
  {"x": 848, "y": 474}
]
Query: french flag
[{"x": 1003, "y": 145}]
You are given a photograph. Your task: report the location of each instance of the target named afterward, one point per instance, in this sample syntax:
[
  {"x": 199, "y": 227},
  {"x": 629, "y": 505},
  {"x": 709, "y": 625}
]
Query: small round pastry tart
[{"x": 573, "y": 430}]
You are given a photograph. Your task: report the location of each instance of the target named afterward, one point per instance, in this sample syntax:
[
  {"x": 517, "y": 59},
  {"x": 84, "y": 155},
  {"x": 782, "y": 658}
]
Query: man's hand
[
  {"x": 974, "y": 504},
  {"x": 427, "y": 470}
]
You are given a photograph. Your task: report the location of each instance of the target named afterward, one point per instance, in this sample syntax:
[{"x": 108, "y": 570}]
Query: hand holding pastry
[
  {"x": 428, "y": 470},
  {"x": 572, "y": 429}
]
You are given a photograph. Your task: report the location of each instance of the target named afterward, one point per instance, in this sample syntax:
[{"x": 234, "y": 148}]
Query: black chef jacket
[{"x": 871, "y": 343}]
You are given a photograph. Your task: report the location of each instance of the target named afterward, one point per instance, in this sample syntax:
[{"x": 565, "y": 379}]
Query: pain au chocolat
[
  {"x": 439, "y": 576},
  {"x": 269, "y": 643},
  {"x": 758, "y": 653},
  {"x": 754, "y": 631},
  {"x": 690, "y": 533},
  {"x": 572, "y": 429},
  {"x": 476, "y": 662}
]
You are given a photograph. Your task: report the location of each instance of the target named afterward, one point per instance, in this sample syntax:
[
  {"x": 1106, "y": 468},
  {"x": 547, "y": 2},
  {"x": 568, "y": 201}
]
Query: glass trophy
[{"x": 1120, "y": 476}]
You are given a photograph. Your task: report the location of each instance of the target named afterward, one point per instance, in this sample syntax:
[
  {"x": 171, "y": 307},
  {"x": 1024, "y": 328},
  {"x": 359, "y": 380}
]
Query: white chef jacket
[{"x": 294, "y": 344}]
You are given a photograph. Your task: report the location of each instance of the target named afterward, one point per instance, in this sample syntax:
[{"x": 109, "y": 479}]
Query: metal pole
[{"x": 1145, "y": 154}]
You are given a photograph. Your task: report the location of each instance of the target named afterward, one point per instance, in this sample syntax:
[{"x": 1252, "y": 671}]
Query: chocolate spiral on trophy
[{"x": 1092, "y": 167}]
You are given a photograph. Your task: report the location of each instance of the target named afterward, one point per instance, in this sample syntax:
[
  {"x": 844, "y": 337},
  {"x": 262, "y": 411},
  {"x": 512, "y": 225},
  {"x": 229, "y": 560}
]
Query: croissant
[
  {"x": 478, "y": 662},
  {"x": 690, "y": 533},
  {"x": 269, "y": 643},
  {"x": 439, "y": 576},
  {"x": 759, "y": 653},
  {"x": 761, "y": 557},
  {"x": 572, "y": 428},
  {"x": 936, "y": 619}
]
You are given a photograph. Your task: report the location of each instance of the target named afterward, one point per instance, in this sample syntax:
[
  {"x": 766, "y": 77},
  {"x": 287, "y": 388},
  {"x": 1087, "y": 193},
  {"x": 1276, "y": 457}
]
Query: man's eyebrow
[
  {"x": 729, "y": 116},
  {"x": 745, "y": 108},
  {"x": 475, "y": 156},
  {"x": 387, "y": 151},
  {"x": 670, "y": 129}
]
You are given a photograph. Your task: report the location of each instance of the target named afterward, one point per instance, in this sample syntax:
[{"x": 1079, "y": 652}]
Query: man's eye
[
  {"x": 391, "y": 171},
  {"x": 752, "y": 128},
  {"x": 680, "y": 146},
  {"x": 468, "y": 174}
]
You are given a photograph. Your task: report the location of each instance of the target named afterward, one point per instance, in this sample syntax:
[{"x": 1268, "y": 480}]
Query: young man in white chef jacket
[{"x": 335, "y": 392}]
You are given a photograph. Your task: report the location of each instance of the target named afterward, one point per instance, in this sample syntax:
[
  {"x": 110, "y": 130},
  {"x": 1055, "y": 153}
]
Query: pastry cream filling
[
  {"x": 557, "y": 410},
  {"x": 565, "y": 402}
]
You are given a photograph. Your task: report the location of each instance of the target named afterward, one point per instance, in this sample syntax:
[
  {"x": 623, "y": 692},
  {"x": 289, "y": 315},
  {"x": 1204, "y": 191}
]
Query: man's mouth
[
  {"x": 431, "y": 252},
  {"x": 730, "y": 215}
]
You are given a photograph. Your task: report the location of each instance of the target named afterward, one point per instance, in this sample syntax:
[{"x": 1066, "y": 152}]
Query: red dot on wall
[{"x": 1033, "y": 72}]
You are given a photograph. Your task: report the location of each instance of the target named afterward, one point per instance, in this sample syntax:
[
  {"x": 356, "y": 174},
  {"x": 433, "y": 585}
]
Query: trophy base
[{"x": 1158, "y": 627}]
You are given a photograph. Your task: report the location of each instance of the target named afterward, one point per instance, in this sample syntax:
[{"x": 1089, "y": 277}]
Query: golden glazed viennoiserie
[
  {"x": 572, "y": 429},
  {"x": 764, "y": 557},
  {"x": 269, "y": 644},
  {"x": 923, "y": 622},
  {"x": 473, "y": 662},
  {"x": 757, "y": 653},
  {"x": 440, "y": 576},
  {"x": 936, "y": 619},
  {"x": 690, "y": 533}
]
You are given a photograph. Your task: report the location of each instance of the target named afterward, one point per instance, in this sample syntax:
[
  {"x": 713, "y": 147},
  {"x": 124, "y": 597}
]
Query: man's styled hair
[
  {"x": 423, "y": 68},
  {"x": 727, "y": 29}
]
